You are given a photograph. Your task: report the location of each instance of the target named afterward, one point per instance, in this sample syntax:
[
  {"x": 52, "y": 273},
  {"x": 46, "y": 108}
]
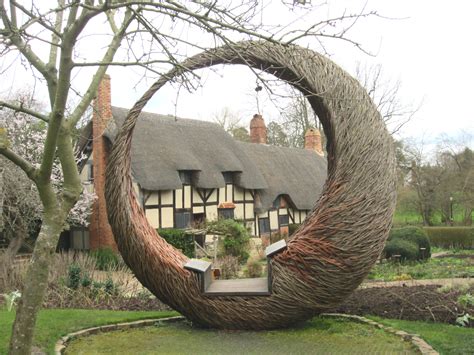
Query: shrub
[
  {"x": 466, "y": 300},
  {"x": 236, "y": 237},
  {"x": 179, "y": 239},
  {"x": 451, "y": 237},
  {"x": 73, "y": 276},
  {"x": 292, "y": 228},
  {"x": 229, "y": 266},
  {"x": 406, "y": 249},
  {"x": 254, "y": 269},
  {"x": 415, "y": 235},
  {"x": 106, "y": 259}
]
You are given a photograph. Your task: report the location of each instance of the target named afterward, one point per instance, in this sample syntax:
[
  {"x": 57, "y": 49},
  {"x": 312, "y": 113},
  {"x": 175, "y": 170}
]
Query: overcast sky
[{"x": 426, "y": 45}]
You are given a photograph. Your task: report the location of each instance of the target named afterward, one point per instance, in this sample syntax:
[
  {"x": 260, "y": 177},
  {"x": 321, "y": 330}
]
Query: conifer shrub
[
  {"x": 292, "y": 228},
  {"x": 235, "y": 235},
  {"x": 179, "y": 239},
  {"x": 407, "y": 250},
  {"x": 451, "y": 237},
  {"x": 415, "y": 235}
]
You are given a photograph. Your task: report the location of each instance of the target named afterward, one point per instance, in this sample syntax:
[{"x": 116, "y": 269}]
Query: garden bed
[{"x": 420, "y": 303}]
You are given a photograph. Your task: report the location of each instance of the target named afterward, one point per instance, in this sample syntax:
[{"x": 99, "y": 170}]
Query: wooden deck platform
[{"x": 239, "y": 287}]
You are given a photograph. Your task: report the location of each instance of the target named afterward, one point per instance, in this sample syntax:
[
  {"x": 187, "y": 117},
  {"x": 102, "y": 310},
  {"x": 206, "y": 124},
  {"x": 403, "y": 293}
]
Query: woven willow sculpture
[{"x": 340, "y": 240}]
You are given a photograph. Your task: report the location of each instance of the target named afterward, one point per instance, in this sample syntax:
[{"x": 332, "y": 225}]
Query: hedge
[
  {"x": 415, "y": 235},
  {"x": 179, "y": 239},
  {"x": 106, "y": 258},
  {"x": 292, "y": 228},
  {"x": 407, "y": 249},
  {"x": 451, "y": 237}
]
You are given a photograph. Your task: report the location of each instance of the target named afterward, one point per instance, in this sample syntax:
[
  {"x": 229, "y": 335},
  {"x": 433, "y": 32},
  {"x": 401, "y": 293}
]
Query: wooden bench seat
[{"x": 236, "y": 287}]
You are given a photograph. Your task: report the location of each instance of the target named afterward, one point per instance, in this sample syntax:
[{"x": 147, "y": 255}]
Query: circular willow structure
[{"x": 340, "y": 240}]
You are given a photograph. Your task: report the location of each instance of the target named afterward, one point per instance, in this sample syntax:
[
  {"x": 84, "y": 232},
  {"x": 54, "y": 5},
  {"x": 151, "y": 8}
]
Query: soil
[
  {"x": 456, "y": 256},
  {"x": 423, "y": 303}
]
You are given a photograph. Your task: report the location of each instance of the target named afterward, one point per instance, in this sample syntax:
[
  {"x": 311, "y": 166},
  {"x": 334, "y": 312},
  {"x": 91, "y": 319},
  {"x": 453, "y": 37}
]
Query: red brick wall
[
  {"x": 258, "y": 130},
  {"x": 100, "y": 232},
  {"x": 312, "y": 141}
]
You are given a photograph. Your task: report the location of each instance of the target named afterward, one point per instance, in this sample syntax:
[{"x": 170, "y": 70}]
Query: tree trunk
[
  {"x": 467, "y": 220},
  {"x": 35, "y": 284}
]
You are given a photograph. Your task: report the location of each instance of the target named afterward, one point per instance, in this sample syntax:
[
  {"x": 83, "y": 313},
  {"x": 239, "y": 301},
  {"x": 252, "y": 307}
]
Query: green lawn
[
  {"x": 445, "y": 338},
  {"x": 438, "y": 268},
  {"x": 318, "y": 336},
  {"x": 54, "y": 323},
  {"x": 329, "y": 334},
  {"x": 403, "y": 218}
]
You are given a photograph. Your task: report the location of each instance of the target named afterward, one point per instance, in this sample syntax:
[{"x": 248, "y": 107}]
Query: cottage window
[
  {"x": 283, "y": 220},
  {"x": 185, "y": 177},
  {"x": 182, "y": 219},
  {"x": 79, "y": 239},
  {"x": 264, "y": 225},
  {"x": 276, "y": 202},
  {"x": 89, "y": 171},
  {"x": 228, "y": 177},
  {"x": 226, "y": 213}
]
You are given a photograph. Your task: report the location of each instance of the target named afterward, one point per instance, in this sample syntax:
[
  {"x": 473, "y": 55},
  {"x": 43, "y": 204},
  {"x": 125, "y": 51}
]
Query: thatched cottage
[{"x": 187, "y": 171}]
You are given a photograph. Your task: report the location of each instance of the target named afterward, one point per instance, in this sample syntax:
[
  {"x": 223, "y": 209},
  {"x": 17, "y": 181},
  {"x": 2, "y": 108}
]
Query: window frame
[
  {"x": 187, "y": 214},
  {"x": 222, "y": 213},
  {"x": 287, "y": 217},
  {"x": 265, "y": 221}
]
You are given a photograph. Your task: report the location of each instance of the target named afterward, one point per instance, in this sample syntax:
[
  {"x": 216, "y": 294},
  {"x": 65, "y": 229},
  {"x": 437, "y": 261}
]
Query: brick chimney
[
  {"x": 100, "y": 232},
  {"x": 258, "y": 130},
  {"x": 312, "y": 141}
]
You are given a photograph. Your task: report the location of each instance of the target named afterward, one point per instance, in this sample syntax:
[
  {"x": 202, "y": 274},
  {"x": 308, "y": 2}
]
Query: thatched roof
[
  {"x": 297, "y": 173},
  {"x": 162, "y": 146}
]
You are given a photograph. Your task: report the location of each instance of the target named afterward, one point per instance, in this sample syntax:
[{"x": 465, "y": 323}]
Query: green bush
[
  {"x": 415, "y": 235},
  {"x": 106, "y": 259},
  {"x": 73, "y": 276},
  {"x": 179, "y": 239},
  {"x": 406, "y": 249},
  {"x": 451, "y": 237},
  {"x": 292, "y": 228},
  {"x": 236, "y": 237}
]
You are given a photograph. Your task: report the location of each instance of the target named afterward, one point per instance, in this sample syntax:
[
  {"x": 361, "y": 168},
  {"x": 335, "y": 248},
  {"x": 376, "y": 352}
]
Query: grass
[
  {"x": 55, "y": 323},
  {"x": 445, "y": 338},
  {"x": 403, "y": 218},
  {"x": 437, "y": 268},
  {"x": 318, "y": 336}
]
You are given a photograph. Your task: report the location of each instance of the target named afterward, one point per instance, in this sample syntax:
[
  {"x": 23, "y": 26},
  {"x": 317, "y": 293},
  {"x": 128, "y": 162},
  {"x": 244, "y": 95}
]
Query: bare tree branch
[{"x": 22, "y": 108}]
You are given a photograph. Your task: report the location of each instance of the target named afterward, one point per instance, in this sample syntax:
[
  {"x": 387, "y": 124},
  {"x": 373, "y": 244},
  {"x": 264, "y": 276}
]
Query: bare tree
[
  {"x": 441, "y": 180},
  {"x": 232, "y": 124},
  {"x": 385, "y": 94},
  {"x": 155, "y": 36}
]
